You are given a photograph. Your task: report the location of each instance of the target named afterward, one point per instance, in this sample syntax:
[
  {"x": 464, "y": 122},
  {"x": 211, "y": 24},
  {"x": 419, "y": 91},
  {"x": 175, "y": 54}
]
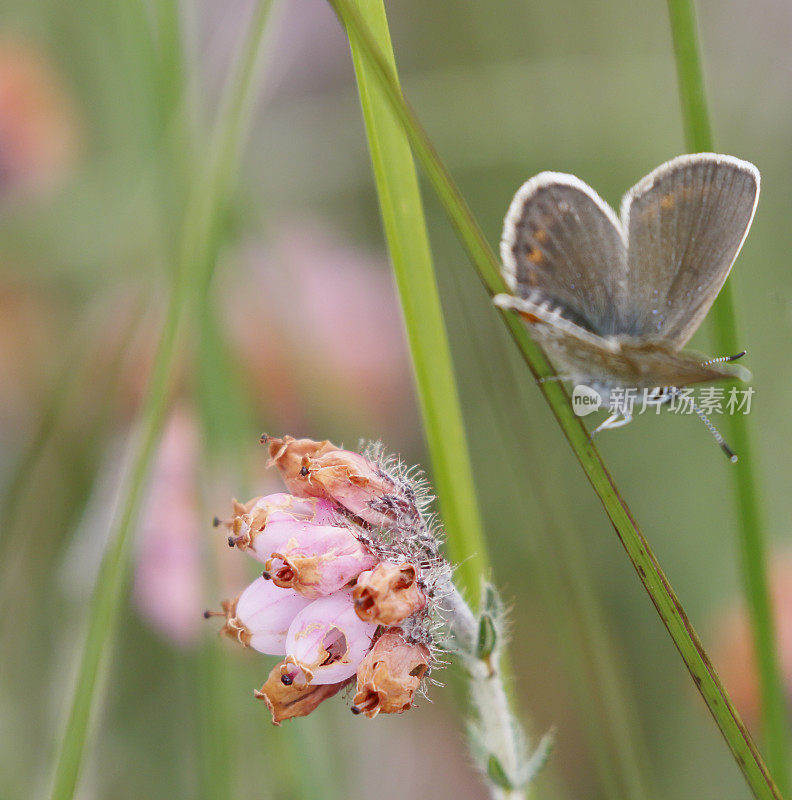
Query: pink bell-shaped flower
[
  {"x": 260, "y": 617},
  {"x": 287, "y": 700},
  {"x": 263, "y": 525},
  {"x": 326, "y": 642},
  {"x": 319, "y": 560}
]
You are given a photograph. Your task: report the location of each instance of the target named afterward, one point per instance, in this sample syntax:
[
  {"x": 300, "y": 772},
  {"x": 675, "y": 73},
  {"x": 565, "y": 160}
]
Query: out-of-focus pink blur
[
  {"x": 38, "y": 125},
  {"x": 168, "y": 577},
  {"x": 734, "y": 650},
  {"x": 316, "y": 322}
]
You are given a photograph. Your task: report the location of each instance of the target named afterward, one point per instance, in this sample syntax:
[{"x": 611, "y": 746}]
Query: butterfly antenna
[
  {"x": 724, "y": 359},
  {"x": 730, "y": 454}
]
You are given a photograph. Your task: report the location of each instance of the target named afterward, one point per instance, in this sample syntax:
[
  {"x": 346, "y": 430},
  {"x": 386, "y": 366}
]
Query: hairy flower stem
[
  {"x": 498, "y": 746},
  {"x": 489, "y": 698}
]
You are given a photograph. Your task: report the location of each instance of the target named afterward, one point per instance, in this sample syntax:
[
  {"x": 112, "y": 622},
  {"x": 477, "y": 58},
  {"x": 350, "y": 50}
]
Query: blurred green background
[{"x": 300, "y": 333}]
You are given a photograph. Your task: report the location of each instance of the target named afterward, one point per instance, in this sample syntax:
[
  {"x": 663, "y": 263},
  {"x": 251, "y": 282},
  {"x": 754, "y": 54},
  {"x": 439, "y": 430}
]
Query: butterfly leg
[{"x": 615, "y": 420}]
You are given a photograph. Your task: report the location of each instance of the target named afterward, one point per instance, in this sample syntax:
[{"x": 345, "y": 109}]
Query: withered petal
[
  {"x": 288, "y": 701},
  {"x": 390, "y": 675},
  {"x": 388, "y": 594}
]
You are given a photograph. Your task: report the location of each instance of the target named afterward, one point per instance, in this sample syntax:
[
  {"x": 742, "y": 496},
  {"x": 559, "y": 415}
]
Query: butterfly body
[
  {"x": 618, "y": 361},
  {"x": 614, "y": 300}
]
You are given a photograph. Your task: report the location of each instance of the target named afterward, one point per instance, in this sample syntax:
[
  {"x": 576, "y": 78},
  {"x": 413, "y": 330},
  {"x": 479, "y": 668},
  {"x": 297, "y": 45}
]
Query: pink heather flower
[
  {"x": 288, "y": 455},
  {"x": 349, "y": 479},
  {"x": 260, "y": 617},
  {"x": 318, "y": 560},
  {"x": 326, "y": 642},
  {"x": 354, "y": 544},
  {"x": 263, "y": 525},
  {"x": 353, "y": 482}
]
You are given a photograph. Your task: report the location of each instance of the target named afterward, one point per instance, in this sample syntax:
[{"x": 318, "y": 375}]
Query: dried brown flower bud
[
  {"x": 388, "y": 594},
  {"x": 286, "y": 700},
  {"x": 287, "y": 455},
  {"x": 348, "y": 479},
  {"x": 389, "y": 676}
]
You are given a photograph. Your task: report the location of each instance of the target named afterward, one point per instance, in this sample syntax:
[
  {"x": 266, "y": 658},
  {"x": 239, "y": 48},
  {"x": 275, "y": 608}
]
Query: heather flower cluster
[{"x": 351, "y": 583}]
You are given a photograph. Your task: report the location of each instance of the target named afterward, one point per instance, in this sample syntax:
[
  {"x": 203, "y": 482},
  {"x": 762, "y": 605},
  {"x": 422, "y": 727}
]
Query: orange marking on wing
[{"x": 535, "y": 256}]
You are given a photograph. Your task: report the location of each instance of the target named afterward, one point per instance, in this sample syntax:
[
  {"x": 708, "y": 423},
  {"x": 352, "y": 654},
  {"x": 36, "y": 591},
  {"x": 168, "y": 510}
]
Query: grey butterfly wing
[
  {"x": 686, "y": 222},
  {"x": 562, "y": 243},
  {"x": 579, "y": 354}
]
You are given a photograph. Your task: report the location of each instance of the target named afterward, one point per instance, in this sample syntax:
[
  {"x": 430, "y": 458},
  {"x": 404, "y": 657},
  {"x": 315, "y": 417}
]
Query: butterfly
[{"x": 613, "y": 301}]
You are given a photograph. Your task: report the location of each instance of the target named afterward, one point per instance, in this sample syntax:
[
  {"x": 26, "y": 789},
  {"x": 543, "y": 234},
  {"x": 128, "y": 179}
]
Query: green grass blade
[
  {"x": 408, "y": 242},
  {"x": 106, "y": 603},
  {"x": 752, "y": 526},
  {"x": 693, "y": 98},
  {"x": 649, "y": 571},
  {"x": 192, "y": 271},
  {"x": 402, "y": 214}
]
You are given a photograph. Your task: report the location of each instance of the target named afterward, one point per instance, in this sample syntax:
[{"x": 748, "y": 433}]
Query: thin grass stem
[
  {"x": 408, "y": 242},
  {"x": 403, "y": 219},
  {"x": 752, "y": 526},
  {"x": 191, "y": 271}
]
